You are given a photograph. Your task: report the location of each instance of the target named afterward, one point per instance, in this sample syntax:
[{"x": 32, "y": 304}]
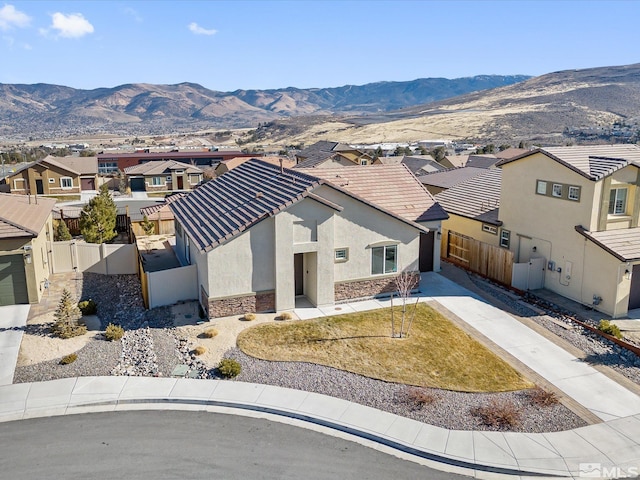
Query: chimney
[{"x": 281, "y": 167}]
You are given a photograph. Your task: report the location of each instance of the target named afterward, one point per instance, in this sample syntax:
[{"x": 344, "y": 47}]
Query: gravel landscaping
[{"x": 152, "y": 346}]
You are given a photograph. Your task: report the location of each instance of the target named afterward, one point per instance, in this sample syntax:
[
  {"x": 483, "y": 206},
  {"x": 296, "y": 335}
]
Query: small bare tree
[{"x": 405, "y": 283}]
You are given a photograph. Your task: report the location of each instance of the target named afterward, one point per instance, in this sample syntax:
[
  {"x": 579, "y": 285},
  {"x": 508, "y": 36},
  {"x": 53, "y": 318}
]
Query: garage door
[
  {"x": 13, "y": 282},
  {"x": 87, "y": 184},
  {"x": 137, "y": 184}
]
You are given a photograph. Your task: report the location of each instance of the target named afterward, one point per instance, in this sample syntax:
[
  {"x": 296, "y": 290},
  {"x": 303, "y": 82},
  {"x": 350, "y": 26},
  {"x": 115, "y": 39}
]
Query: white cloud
[
  {"x": 133, "y": 13},
  {"x": 73, "y": 25},
  {"x": 10, "y": 17},
  {"x": 198, "y": 30}
]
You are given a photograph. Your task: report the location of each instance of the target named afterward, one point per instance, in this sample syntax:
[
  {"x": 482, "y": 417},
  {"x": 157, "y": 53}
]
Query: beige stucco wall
[
  {"x": 30, "y": 175},
  {"x": 471, "y": 228},
  {"x": 37, "y": 271}
]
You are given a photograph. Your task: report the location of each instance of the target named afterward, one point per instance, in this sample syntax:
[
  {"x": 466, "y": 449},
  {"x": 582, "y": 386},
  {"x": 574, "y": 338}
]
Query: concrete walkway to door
[{"x": 603, "y": 396}]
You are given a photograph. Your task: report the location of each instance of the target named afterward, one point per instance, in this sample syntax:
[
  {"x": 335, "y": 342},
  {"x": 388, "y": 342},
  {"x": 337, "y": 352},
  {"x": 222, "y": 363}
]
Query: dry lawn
[{"x": 436, "y": 354}]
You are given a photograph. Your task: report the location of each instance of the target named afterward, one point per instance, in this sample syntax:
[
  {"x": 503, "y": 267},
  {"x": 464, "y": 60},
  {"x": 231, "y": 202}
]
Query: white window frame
[
  {"x": 492, "y": 229},
  {"x": 505, "y": 238},
  {"x": 15, "y": 185},
  {"x": 52, "y": 180},
  {"x": 556, "y": 190},
  {"x": 168, "y": 178},
  {"x": 341, "y": 255},
  {"x": 574, "y": 193},
  {"x": 364, "y": 162},
  {"x": 62, "y": 182},
  {"x": 613, "y": 206},
  {"x": 153, "y": 182},
  {"x": 541, "y": 187},
  {"x": 384, "y": 248}
]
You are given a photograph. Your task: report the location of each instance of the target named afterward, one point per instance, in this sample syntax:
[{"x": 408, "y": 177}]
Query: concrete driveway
[{"x": 13, "y": 320}]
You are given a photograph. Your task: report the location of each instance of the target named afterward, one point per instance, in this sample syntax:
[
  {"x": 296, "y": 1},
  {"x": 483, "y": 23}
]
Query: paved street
[{"x": 191, "y": 445}]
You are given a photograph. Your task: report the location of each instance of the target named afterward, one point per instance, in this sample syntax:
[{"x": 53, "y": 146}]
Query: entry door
[
  {"x": 634, "y": 293},
  {"x": 426, "y": 251},
  {"x": 298, "y": 266},
  {"x": 536, "y": 273},
  {"x": 180, "y": 182},
  {"x": 39, "y": 187}
]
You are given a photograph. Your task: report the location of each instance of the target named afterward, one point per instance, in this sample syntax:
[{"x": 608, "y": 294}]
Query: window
[
  {"x": 66, "y": 182},
  {"x": 18, "y": 183},
  {"x": 557, "y": 190},
  {"x": 505, "y": 236},
  {"x": 169, "y": 178},
  {"x": 490, "y": 229},
  {"x": 384, "y": 259},
  {"x": 363, "y": 162},
  {"x": 52, "y": 180},
  {"x": 178, "y": 228},
  {"x": 106, "y": 168},
  {"x": 618, "y": 201},
  {"x": 155, "y": 181},
  {"x": 574, "y": 193},
  {"x": 541, "y": 188},
  {"x": 341, "y": 255}
]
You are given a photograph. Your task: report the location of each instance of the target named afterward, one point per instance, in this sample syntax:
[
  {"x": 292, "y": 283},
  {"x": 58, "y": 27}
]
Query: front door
[
  {"x": 39, "y": 187},
  {"x": 426, "y": 251},
  {"x": 180, "y": 182},
  {"x": 634, "y": 293},
  {"x": 298, "y": 267}
]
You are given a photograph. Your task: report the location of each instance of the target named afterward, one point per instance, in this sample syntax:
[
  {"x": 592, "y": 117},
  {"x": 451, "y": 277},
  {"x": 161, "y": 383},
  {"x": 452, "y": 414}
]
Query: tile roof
[
  {"x": 477, "y": 198},
  {"x": 161, "y": 211},
  {"x": 82, "y": 165},
  {"x": 227, "y": 205},
  {"x": 322, "y": 151},
  {"x": 591, "y": 161},
  {"x": 451, "y": 177},
  {"x": 511, "y": 152},
  {"x": 21, "y": 216},
  {"x": 392, "y": 187},
  {"x": 422, "y": 165},
  {"x": 51, "y": 160},
  {"x": 232, "y": 203},
  {"x": 481, "y": 161},
  {"x": 160, "y": 167},
  {"x": 624, "y": 244}
]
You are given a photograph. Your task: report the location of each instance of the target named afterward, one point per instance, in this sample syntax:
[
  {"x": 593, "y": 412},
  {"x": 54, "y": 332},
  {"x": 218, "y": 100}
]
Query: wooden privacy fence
[{"x": 493, "y": 262}]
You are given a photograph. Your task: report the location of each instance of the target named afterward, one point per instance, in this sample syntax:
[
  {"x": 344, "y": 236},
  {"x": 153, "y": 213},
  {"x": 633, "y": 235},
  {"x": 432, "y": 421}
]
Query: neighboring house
[
  {"x": 225, "y": 165},
  {"x": 261, "y": 236},
  {"x": 395, "y": 189},
  {"x": 439, "y": 181},
  {"x": 511, "y": 152},
  {"x": 455, "y": 161},
  {"x": 25, "y": 229},
  {"x": 330, "y": 154},
  {"x": 573, "y": 213},
  {"x": 111, "y": 163},
  {"x": 54, "y": 176},
  {"x": 418, "y": 164},
  {"x": 473, "y": 207},
  {"x": 163, "y": 176},
  {"x": 482, "y": 161}
]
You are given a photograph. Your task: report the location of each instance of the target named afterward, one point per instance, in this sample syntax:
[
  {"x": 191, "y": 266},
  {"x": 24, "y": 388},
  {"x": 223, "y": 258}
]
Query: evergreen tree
[
  {"x": 98, "y": 219},
  {"x": 61, "y": 232},
  {"x": 67, "y": 315},
  {"x": 148, "y": 226}
]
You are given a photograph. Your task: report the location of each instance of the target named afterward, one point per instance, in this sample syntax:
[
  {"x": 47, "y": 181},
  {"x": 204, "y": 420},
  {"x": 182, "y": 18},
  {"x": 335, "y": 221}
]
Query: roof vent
[{"x": 259, "y": 194}]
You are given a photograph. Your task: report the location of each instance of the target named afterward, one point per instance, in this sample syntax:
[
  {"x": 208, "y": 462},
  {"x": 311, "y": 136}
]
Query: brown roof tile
[
  {"x": 624, "y": 244},
  {"x": 477, "y": 198},
  {"x": 21, "y": 216}
]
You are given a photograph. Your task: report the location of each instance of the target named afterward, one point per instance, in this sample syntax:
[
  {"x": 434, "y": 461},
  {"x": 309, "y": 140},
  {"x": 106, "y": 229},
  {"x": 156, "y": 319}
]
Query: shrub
[
  {"x": 500, "y": 414},
  {"x": 229, "y": 368},
  {"x": 67, "y": 315},
  {"x": 542, "y": 398},
  {"x": 210, "y": 333},
  {"x": 285, "y": 316},
  {"x": 88, "y": 307},
  {"x": 199, "y": 350},
  {"x": 420, "y": 396},
  {"x": 249, "y": 317},
  {"x": 606, "y": 326},
  {"x": 113, "y": 332},
  {"x": 67, "y": 359}
]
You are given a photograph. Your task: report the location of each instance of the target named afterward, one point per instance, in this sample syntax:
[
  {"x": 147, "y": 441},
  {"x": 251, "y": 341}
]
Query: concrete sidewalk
[
  {"x": 604, "y": 397},
  {"x": 13, "y": 320},
  {"x": 615, "y": 445}
]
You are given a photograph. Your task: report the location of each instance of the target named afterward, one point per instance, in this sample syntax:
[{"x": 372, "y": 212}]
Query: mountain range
[{"x": 53, "y": 110}]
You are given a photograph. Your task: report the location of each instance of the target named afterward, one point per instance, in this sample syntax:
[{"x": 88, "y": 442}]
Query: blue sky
[{"x": 265, "y": 44}]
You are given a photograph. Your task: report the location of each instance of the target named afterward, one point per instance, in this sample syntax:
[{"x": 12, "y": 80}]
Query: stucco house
[
  {"x": 25, "y": 229},
  {"x": 262, "y": 235},
  {"x": 163, "y": 175},
  {"x": 575, "y": 212},
  {"x": 331, "y": 154},
  {"x": 55, "y": 176}
]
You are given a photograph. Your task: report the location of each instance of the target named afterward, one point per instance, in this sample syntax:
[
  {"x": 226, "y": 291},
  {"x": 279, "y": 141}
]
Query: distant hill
[
  {"x": 52, "y": 110},
  {"x": 595, "y": 104}
]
